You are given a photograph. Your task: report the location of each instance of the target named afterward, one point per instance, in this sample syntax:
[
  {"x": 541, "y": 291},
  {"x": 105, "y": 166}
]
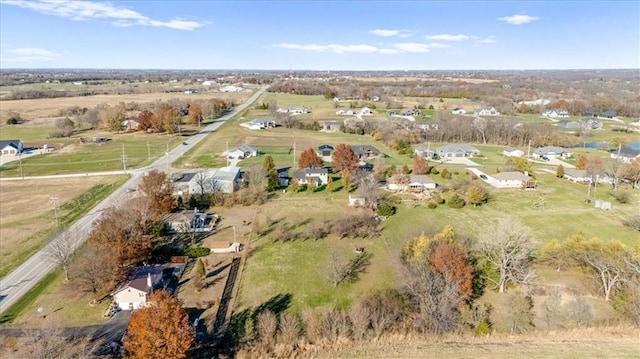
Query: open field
[
  {"x": 38, "y": 108},
  {"x": 139, "y": 148},
  {"x": 597, "y": 342},
  {"x": 28, "y": 218}
]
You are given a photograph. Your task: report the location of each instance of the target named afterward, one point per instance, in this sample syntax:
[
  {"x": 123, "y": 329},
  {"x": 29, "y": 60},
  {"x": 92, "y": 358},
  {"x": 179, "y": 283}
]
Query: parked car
[{"x": 484, "y": 177}]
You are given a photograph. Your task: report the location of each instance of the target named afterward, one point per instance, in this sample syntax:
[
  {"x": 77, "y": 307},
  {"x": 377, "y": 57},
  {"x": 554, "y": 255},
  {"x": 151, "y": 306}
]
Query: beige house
[{"x": 133, "y": 294}]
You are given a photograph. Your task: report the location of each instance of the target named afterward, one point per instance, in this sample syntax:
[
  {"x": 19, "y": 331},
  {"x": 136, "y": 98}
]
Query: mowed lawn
[
  {"x": 28, "y": 218},
  {"x": 139, "y": 149}
]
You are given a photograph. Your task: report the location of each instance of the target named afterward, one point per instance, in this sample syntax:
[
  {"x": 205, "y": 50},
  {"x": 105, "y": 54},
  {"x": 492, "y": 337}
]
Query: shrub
[
  {"x": 386, "y": 209},
  {"x": 432, "y": 205},
  {"x": 434, "y": 171},
  {"x": 445, "y": 174},
  {"x": 196, "y": 252},
  {"x": 12, "y": 121},
  {"x": 456, "y": 201},
  {"x": 632, "y": 221},
  {"x": 621, "y": 196}
]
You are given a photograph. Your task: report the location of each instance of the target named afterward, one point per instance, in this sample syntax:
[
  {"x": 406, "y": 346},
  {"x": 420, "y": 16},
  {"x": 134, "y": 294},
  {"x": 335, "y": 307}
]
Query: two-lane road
[{"x": 17, "y": 283}]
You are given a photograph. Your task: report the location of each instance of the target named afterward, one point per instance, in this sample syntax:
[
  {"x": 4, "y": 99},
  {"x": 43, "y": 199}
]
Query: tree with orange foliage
[
  {"x": 344, "y": 158},
  {"x": 310, "y": 159},
  {"x": 160, "y": 330},
  {"x": 146, "y": 119},
  {"x": 156, "y": 187},
  {"x": 420, "y": 165},
  {"x": 450, "y": 259},
  {"x": 195, "y": 113}
]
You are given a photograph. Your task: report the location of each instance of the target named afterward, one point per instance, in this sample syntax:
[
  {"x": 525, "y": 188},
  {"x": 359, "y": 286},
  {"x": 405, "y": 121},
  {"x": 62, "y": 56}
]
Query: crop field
[{"x": 39, "y": 108}]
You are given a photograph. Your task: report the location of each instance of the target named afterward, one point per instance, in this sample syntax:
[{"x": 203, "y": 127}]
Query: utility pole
[
  {"x": 22, "y": 173},
  {"x": 124, "y": 160},
  {"x": 294, "y": 155},
  {"x": 148, "y": 151},
  {"x": 227, "y": 155},
  {"x": 54, "y": 200}
]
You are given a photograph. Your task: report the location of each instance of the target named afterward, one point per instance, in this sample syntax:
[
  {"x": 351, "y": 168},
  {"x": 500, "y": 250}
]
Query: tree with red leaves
[
  {"x": 344, "y": 158},
  {"x": 310, "y": 159}
]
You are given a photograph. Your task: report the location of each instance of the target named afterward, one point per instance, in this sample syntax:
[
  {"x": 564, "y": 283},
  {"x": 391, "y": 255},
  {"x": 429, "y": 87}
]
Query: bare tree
[
  {"x": 60, "y": 252},
  {"x": 45, "y": 342},
  {"x": 507, "y": 246},
  {"x": 615, "y": 170},
  {"x": 289, "y": 328},
  {"x": 520, "y": 312},
  {"x": 267, "y": 326},
  {"x": 359, "y": 316},
  {"x": 480, "y": 124},
  {"x": 368, "y": 187}
]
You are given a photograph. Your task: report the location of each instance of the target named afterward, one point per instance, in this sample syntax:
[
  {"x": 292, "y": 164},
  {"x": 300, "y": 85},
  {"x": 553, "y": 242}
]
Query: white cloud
[
  {"x": 86, "y": 10},
  {"x": 385, "y": 33},
  {"x": 449, "y": 37},
  {"x": 487, "y": 40},
  {"x": 519, "y": 19},
  {"x": 29, "y": 54},
  {"x": 338, "y": 49},
  {"x": 405, "y": 47},
  {"x": 391, "y": 33}
]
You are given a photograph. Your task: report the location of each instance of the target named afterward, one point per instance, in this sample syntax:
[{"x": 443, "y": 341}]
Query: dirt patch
[{"x": 50, "y": 108}]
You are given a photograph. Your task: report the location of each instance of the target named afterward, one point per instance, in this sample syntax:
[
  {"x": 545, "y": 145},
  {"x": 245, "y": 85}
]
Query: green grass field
[{"x": 140, "y": 150}]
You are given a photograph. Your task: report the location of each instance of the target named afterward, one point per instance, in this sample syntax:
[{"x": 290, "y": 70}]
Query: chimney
[{"x": 149, "y": 282}]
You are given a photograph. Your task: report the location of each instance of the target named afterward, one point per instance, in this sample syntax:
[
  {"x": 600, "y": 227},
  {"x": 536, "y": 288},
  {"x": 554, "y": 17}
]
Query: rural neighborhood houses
[
  {"x": 305, "y": 176},
  {"x": 626, "y": 154},
  {"x": 293, "y": 110},
  {"x": 417, "y": 183},
  {"x": 365, "y": 111},
  {"x": 512, "y": 180},
  {"x": 224, "y": 179},
  {"x": 551, "y": 152},
  {"x": 555, "y": 113},
  {"x": 424, "y": 151},
  {"x": 457, "y": 150},
  {"x": 10, "y": 147},
  {"x": 242, "y": 152},
  {"x": 133, "y": 294},
  {"x": 365, "y": 152},
  {"x": 512, "y": 152},
  {"x": 190, "y": 221},
  {"x": 259, "y": 124},
  {"x": 487, "y": 111},
  {"x": 325, "y": 152},
  {"x": 576, "y": 176}
]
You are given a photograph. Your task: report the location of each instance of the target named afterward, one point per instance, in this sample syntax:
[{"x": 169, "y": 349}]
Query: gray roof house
[
  {"x": 319, "y": 175},
  {"x": 458, "y": 150},
  {"x": 242, "y": 151},
  {"x": 424, "y": 151},
  {"x": 512, "y": 152},
  {"x": 365, "y": 152},
  {"x": 512, "y": 180},
  {"x": 224, "y": 179},
  {"x": 551, "y": 152},
  {"x": 325, "y": 151},
  {"x": 627, "y": 154},
  {"x": 10, "y": 147}
]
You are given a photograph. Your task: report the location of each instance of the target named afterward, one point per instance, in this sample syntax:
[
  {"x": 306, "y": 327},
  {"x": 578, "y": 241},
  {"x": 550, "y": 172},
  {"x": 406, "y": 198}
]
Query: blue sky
[{"x": 320, "y": 35}]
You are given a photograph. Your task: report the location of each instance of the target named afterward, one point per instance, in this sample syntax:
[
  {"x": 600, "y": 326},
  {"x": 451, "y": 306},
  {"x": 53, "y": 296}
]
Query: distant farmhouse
[
  {"x": 487, "y": 111},
  {"x": 365, "y": 111},
  {"x": 293, "y": 110},
  {"x": 555, "y": 113},
  {"x": 259, "y": 124},
  {"x": 10, "y": 147},
  {"x": 606, "y": 115}
]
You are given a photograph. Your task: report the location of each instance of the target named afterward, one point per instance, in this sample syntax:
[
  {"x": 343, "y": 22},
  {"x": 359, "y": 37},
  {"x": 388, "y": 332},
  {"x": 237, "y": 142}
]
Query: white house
[
  {"x": 512, "y": 152},
  {"x": 576, "y": 176},
  {"x": 319, "y": 175},
  {"x": 293, "y": 110},
  {"x": 231, "y": 88},
  {"x": 417, "y": 183},
  {"x": 458, "y": 111},
  {"x": 259, "y": 124},
  {"x": 224, "y": 179},
  {"x": 347, "y": 112},
  {"x": 208, "y": 83},
  {"x": 190, "y": 221},
  {"x": 551, "y": 152},
  {"x": 626, "y": 155},
  {"x": 487, "y": 111},
  {"x": 242, "y": 152},
  {"x": 555, "y": 113},
  {"x": 511, "y": 180},
  {"x": 133, "y": 294},
  {"x": 10, "y": 147}
]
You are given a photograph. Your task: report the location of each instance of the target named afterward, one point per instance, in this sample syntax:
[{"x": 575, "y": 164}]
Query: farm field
[
  {"x": 28, "y": 219},
  {"x": 38, "y": 108}
]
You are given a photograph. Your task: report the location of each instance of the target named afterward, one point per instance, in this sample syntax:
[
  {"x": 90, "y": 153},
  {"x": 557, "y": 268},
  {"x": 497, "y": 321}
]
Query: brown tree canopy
[
  {"x": 344, "y": 158},
  {"x": 160, "y": 330},
  {"x": 156, "y": 187},
  {"x": 168, "y": 117},
  {"x": 420, "y": 165},
  {"x": 96, "y": 269},
  {"x": 195, "y": 113},
  {"x": 310, "y": 159},
  {"x": 146, "y": 120}
]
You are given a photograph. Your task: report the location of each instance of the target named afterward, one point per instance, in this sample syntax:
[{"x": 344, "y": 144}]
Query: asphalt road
[{"x": 17, "y": 283}]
